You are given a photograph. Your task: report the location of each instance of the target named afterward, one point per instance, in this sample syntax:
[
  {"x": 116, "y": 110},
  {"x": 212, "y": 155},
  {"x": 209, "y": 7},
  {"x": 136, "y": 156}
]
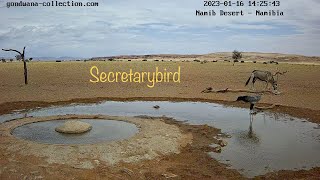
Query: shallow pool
[
  {"x": 276, "y": 142},
  {"x": 102, "y": 131}
]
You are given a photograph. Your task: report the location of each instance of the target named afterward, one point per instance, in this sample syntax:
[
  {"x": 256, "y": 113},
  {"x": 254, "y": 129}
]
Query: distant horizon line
[{"x": 155, "y": 54}]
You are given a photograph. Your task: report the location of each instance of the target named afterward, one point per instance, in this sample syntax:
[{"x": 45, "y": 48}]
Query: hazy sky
[{"x": 151, "y": 27}]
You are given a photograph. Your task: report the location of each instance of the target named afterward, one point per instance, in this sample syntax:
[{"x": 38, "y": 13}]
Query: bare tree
[{"x": 24, "y": 62}]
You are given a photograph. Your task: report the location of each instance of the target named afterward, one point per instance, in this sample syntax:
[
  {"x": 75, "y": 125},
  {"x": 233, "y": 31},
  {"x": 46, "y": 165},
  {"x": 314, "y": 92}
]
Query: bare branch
[
  {"x": 228, "y": 90},
  {"x": 13, "y": 50}
]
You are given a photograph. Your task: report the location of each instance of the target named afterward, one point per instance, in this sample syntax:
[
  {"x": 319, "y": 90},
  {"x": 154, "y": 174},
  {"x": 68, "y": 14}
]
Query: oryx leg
[{"x": 253, "y": 81}]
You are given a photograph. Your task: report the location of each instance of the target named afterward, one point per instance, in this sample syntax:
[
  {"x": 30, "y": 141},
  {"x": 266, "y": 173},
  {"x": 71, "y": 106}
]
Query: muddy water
[
  {"x": 275, "y": 141},
  {"x": 102, "y": 131}
]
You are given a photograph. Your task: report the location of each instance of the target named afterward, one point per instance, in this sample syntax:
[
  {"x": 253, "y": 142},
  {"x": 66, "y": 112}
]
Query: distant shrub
[
  {"x": 60, "y": 61},
  {"x": 242, "y": 61},
  {"x": 196, "y": 60},
  {"x": 156, "y": 60},
  {"x": 254, "y": 61},
  {"x": 144, "y": 60},
  {"x": 236, "y": 55},
  {"x": 129, "y": 59},
  {"x": 273, "y": 62}
]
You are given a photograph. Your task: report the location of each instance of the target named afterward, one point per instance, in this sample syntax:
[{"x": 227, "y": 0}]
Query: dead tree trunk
[{"x": 24, "y": 63}]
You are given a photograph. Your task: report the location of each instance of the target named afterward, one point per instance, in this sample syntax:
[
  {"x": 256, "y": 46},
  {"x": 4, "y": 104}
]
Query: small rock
[
  {"x": 156, "y": 107},
  {"x": 223, "y": 143},
  {"x": 216, "y": 148},
  {"x": 228, "y": 136},
  {"x": 74, "y": 127}
]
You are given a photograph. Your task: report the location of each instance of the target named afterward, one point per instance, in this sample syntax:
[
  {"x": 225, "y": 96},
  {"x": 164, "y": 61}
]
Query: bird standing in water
[{"x": 250, "y": 99}]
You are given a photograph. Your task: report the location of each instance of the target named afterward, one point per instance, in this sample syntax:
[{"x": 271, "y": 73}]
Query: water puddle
[
  {"x": 102, "y": 131},
  {"x": 275, "y": 141}
]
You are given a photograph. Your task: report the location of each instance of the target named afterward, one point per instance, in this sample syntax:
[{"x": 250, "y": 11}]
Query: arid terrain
[
  {"x": 221, "y": 56},
  {"x": 56, "y": 83}
]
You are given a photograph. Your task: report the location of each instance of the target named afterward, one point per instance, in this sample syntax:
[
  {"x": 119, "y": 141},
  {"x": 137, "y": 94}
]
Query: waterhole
[
  {"x": 274, "y": 141},
  {"x": 102, "y": 131}
]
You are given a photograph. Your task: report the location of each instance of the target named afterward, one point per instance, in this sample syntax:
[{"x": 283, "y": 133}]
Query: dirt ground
[
  {"x": 69, "y": 81},
  {"x": 52, "y": 83}
]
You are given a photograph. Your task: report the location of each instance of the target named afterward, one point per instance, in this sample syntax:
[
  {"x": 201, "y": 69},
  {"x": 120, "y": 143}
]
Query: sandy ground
[{"x": 52, "y": 83}]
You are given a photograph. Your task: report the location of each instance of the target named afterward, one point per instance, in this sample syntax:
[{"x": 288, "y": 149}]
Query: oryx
[{"x": 265, "y": 76}]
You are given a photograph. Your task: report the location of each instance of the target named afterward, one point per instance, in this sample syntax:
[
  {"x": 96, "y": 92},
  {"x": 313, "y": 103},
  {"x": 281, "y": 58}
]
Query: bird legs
[{"x": 250, "y": 127}]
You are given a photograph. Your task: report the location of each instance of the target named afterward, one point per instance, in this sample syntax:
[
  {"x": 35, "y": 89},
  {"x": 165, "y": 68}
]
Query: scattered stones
[
  {"x": 74, "y": 127},
  {"x": 223, "y": 135}
]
